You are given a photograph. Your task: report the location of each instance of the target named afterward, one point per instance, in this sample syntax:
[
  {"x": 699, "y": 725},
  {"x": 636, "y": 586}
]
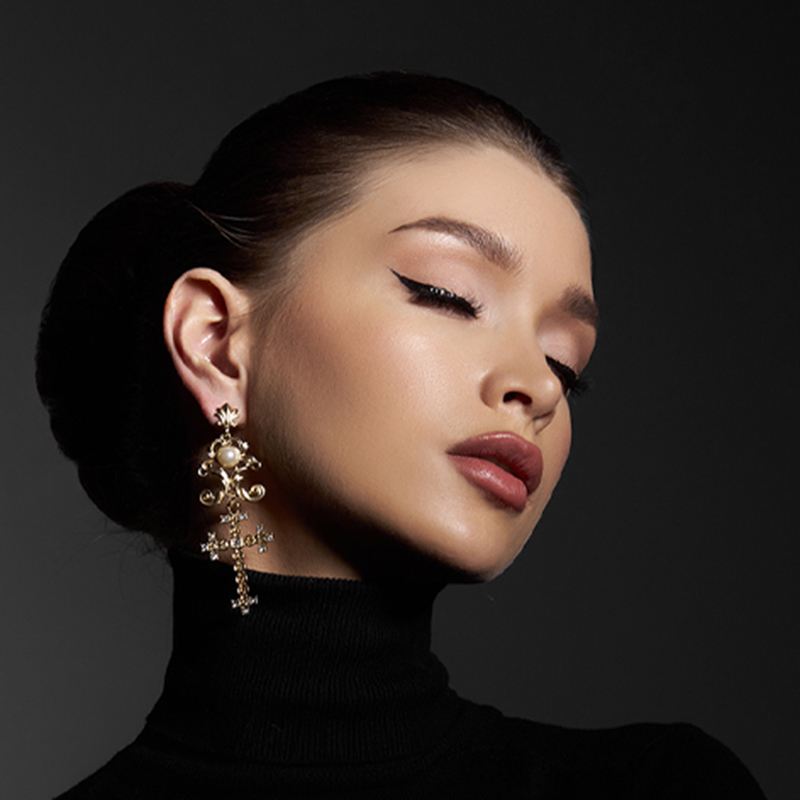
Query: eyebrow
[
  {"x": 575, "y": 300},
  {"x": 578, "y": 303},
  {"x": 491, "y": 246}
]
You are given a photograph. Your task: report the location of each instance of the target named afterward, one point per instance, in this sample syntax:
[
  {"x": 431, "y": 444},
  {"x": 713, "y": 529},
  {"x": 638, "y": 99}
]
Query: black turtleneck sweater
[{"x": 328, "y": 689}]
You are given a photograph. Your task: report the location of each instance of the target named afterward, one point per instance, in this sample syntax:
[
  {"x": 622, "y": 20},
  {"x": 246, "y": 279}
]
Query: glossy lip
[{"x": 503, "y": 464}]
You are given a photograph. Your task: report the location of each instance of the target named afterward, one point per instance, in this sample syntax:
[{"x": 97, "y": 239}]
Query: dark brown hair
[{"x": 116, "y": 405}]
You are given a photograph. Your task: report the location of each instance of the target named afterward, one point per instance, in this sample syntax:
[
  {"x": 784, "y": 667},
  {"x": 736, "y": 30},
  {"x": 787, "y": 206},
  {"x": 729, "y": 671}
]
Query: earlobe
[{"x": 206, "y": 331}]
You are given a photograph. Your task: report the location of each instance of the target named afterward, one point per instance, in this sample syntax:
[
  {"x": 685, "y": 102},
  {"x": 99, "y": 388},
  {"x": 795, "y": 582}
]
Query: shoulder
[
  {"x": 681, "y": 760},
  {"x": 137, "y": 772},
  {"x": 642, "y": 761}
]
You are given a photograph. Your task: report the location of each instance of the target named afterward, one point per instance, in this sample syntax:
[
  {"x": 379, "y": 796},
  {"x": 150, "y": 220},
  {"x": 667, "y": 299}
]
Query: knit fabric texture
[{"x": 329, "y": 689}]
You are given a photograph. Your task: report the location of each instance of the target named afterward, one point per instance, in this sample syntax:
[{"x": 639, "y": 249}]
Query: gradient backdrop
[{"x": 663, "y": 582}]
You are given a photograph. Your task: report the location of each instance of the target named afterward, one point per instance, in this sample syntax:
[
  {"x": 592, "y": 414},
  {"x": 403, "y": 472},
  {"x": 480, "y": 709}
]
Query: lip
[{"x": 503, "y": 464}]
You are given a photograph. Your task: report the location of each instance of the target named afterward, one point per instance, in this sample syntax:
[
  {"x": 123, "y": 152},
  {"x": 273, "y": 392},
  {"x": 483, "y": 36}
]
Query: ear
[{"x": 207, "y": 329}]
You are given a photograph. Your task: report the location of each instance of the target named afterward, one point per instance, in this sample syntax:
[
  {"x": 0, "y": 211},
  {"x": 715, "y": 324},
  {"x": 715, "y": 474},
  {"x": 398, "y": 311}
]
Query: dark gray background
[{"x": 662, "y": 584}]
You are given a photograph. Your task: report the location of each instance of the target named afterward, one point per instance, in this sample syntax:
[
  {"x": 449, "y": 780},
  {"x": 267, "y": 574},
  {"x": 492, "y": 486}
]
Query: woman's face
[{"x": 408, "y": 399}]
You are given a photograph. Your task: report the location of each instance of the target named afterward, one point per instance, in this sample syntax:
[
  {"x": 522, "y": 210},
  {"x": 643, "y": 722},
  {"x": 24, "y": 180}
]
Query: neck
[{"x": 320, "y": 670}]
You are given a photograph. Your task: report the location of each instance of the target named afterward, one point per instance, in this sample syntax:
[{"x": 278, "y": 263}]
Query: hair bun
[{"x": 101, "y": 341}]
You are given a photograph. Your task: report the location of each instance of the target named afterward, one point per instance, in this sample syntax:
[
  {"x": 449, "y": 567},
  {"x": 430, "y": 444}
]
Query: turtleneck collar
[{"x": 320, "y": 671}]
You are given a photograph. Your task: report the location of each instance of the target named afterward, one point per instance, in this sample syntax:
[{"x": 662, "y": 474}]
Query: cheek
[{"x": 344, "y": 393}]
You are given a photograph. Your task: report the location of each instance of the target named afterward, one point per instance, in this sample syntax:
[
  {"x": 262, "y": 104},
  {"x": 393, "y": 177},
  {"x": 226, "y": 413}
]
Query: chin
[
  {"x": 479, "y": 565},
  {"x": 471, "y": 552},
  {"x": 476, "y": 552}
]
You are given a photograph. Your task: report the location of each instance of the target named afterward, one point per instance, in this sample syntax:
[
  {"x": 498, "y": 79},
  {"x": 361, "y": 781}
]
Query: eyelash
[
  {"x": 574, "y": 385},
  {"x": 441, "y": 298},
  {"x": 425, "y": 293}
]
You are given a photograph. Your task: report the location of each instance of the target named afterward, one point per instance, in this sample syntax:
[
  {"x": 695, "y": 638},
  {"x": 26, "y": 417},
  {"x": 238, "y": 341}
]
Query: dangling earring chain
[{"x": 228, "y": 458}]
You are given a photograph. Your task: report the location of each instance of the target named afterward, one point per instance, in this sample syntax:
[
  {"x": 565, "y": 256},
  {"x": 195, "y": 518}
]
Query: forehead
[
  {"x": 487, "y": 188},
  {"x": 483, "y": 186}
]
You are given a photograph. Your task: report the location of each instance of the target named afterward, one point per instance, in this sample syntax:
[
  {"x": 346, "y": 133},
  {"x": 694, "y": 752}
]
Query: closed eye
[
  {"x": 572, "y": 383},
  {"x": 438, "y": 297}
]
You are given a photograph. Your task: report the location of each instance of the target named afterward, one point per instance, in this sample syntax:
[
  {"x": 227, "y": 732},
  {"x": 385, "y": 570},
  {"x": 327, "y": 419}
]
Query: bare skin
[{"x": 356, "y": 390}]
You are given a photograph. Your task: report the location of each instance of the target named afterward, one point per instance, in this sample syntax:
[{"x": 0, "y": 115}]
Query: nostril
[{"x": 517, "y": 397}]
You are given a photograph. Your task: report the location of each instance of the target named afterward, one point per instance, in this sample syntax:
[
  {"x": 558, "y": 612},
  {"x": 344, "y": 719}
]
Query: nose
[{"x": 522, "y": 383}]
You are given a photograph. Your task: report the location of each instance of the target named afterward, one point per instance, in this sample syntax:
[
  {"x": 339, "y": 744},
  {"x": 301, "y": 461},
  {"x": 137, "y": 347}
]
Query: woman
[{"x": 380, "y": 290}]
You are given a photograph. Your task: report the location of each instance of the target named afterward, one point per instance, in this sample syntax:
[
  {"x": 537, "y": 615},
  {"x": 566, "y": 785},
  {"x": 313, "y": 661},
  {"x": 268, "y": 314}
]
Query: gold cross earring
[{"x": 227, "y": 457}]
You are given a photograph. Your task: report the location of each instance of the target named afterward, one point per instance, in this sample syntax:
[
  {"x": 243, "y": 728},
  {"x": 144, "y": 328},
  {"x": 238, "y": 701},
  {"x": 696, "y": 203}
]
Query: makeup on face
[
  {"x": 415, "y": 382},
  {"x": 439, "y": 297},
  {"x": 506, "y": 466}
]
